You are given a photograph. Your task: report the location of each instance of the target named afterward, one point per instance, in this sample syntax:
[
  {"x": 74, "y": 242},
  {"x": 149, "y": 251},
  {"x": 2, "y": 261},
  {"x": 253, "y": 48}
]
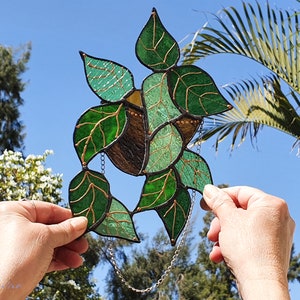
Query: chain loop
[
  {"x": 178, "y": 248},
  {"x": 199, "y": 143},
  {"x": 102, "y": 160},
  {"x": 169, "y": 268}
]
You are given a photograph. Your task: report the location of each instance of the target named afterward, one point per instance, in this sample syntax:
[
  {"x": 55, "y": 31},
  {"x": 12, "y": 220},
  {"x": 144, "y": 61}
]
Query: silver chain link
[
  {"x": 102, "y": 160},
  {"x": 200, "y": 131},
  {"x": 178, "y": 248},
  {"x": 169, "y": 268}
]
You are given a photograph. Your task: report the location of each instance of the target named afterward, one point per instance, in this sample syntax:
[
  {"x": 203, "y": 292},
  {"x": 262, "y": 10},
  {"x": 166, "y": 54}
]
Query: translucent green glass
[
  {"x": 144, "y": 132},
  {"x": 155, "y": 47},
  {"x": 193, "y": 170},
  {"x": 97, "y": 129},
  {"x": 118, "y": 223},
  {"x": 158, "y": 190},
  {"x": 195, "y": 91},
  {"x": 107, "y": 79},
  {"x": 158, "y": 103},
  {"x": 164, "y": 149},
  {"x": 89, "y": 196},
  {"x": 175, "y": 214}
]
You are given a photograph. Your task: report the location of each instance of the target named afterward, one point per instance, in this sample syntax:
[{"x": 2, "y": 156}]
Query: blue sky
[{"x": 57, "y": 93}]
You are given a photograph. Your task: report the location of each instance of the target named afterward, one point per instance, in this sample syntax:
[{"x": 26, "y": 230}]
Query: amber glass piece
[
  {"x": 129, "y": 152},
  {"x": 135, "y": 98},
  {"x": 188, "y": 126}
]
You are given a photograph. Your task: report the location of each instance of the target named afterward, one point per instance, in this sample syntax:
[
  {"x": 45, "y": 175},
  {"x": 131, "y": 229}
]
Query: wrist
[
  {"x": 10, "y": 290},
  {"x": 258, "y": 281},
  {"x": 261, "y": 289}
]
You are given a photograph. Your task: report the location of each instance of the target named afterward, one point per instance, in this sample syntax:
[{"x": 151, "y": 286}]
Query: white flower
[
  {"x": 27, "y": 177},
  {"x": 74, "y": 284}
]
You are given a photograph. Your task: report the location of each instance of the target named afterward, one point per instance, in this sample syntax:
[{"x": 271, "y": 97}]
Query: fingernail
[
  {"x": 204, "y": 205},
  {"x": 79, "y": 223},
  {"x": 210, "y": 190}
]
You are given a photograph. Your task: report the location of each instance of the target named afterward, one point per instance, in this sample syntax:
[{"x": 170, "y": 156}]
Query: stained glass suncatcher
[{"x": 144, "y": 132}]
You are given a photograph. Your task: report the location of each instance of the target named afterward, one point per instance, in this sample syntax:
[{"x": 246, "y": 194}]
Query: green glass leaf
[
  {"x": 158, "y": 190},
  {"x": 89, "y": 196},
  {"x": 118, "y": 223},
  {"x": 159, "y": 105},
  {"x": 155, "y": 47},
  {"x": 195, "y": 91},
  {"x": 165, "y": 147},
  {"x": 175, "y": 214},
  {"x": 107, "y": 79},
  {"x": 193, "y": 171},
  {"x": 97, "y": 128}
]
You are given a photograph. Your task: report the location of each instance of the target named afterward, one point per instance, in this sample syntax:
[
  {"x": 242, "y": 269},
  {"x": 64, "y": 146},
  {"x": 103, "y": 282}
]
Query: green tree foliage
[
  {"x": 27, "y": 177},
  {"x": 12, "y": 65},
  {"x": 188, "y": 279},
  {"x": 74, "y": 283},
  {"x": 294, "y": 270},
  {"x": 205, "y": 279},
  {"x": 144, "y": 267},
  {"x": 198, "y": 279}
]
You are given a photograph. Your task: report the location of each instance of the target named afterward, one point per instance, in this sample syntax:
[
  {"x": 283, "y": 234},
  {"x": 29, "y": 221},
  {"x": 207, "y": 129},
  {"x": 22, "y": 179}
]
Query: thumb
[
  {"x": 217, "y": 200},
  {"x": 68, "y": 230}
]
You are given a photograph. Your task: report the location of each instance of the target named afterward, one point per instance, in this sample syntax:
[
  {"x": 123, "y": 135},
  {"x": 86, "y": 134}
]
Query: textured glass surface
[
  {"x": 89, "y": 196},
  {"x": 193, "y": 170},
  {"x": 158, "y": 190},
  {"x": 118, "y": 223},
  {"x": 155, "y": 47},
  {"x": 158, "y": 103},
  {"x": 195, "y": 91},
  {"x": 165, "y": 148},
  {"x": 97, "y": 129},
  {"x": 144, "y": 132},
  {"x": 109, "y": 80},
  {"x": 174, "y": 214}
]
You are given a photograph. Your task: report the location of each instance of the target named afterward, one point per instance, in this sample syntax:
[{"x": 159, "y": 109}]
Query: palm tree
[{"x": 271, "y": 38}]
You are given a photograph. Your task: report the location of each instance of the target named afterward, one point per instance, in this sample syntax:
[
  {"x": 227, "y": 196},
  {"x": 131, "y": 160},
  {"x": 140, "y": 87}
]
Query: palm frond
[
  {"x": 255, "y": 104},
  {"x": 271, "y": 38}
]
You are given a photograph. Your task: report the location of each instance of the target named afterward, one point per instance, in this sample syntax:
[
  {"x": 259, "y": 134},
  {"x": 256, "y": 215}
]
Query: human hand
[
  {"x": 253, "y": 234},
  {"x": 36, "y": 237}
]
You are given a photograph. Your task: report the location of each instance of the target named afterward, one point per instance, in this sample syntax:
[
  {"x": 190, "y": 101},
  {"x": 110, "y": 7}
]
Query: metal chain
[
  {"x": 102, "y": 160},
  {"x": 178, "y": 248},
  {"x": 200, "y": 131},
  {"x": 168, "y": 269}
]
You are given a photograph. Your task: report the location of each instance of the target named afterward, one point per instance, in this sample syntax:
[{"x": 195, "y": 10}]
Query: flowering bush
[{"x": 28, "y": 178}]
